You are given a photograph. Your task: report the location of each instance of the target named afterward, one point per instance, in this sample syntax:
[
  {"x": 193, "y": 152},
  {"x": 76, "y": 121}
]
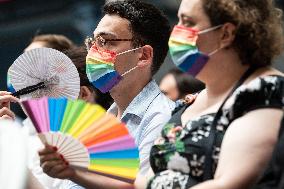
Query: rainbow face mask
[
  {"x": 100, "y": 68},
  {"x": 184, "y": 51}
]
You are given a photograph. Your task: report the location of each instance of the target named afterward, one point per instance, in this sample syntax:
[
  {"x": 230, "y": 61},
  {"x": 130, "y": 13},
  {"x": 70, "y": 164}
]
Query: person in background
[
  {"x": 177, "y": 84},
  {"x": 54, "y": 41}
]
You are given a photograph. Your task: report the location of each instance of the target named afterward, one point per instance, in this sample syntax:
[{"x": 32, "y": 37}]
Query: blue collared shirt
[{"x": 145, "y": 117}]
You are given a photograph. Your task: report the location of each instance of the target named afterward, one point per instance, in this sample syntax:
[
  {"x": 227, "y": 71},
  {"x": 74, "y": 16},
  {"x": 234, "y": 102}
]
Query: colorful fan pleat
[{"x": 86, "y": 136}]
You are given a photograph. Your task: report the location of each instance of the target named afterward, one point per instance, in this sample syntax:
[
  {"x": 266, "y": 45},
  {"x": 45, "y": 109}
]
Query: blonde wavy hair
[{"x": 259, "y": 32}]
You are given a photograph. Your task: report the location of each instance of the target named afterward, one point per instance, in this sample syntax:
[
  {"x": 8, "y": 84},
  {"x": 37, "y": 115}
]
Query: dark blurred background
[{"x": 20, "y": 20}]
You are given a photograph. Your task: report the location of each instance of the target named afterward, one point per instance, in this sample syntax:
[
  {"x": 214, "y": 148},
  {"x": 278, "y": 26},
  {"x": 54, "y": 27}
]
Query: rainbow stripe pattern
[
  {"x": 87, "y": 136},
  {"x": 100, "y": 69},
  {"x": 184, "y": 52}
]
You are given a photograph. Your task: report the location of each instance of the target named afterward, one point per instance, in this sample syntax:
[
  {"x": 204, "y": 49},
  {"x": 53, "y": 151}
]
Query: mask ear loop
[
  {"x": 128, "y": 51},
  {"x": 214, "y": 52},
  {"x": 210, "y": 29},
  {"x": 127, "y": 72}
]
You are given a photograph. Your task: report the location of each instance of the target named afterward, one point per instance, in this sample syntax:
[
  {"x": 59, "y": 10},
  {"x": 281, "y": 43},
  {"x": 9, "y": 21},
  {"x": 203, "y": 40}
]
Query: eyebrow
[
  {"x": 110, "y": 34},
  {"x": 164, "y": 92},
  {"x": 183, "y": 16}
]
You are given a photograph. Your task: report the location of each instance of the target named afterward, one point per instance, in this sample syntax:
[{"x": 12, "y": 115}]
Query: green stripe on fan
[{"x": 128, "y": 163}]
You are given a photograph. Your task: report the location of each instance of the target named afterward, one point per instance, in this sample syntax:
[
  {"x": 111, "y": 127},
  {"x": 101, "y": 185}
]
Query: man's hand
[
  {"x": 5, "y": 99},
  {"x": 54, "y": 164}
]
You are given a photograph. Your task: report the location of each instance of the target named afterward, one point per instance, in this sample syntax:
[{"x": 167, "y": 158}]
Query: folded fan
[{"x": 85, "y": 135}]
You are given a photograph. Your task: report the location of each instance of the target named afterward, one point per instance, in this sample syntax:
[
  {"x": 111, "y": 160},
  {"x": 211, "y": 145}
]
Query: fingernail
[
  {"x": 61, "y": 156},
  {"x": 54, "y": 148},
  {"x": 66, "y": 163}
]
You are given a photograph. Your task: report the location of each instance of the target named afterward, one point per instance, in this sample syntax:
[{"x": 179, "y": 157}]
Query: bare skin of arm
[{"x": 246, "y": 150}]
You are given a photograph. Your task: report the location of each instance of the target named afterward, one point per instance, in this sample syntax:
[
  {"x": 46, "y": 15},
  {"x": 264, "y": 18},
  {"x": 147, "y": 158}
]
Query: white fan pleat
[
  {"x": 46, "y": 65},
  {"x": 72, "y": 150}
]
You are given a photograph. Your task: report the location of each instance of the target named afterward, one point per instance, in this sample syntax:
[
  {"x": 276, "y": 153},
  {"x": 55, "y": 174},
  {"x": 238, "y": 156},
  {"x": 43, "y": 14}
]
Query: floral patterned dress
[{"x": 178, "y": 156}]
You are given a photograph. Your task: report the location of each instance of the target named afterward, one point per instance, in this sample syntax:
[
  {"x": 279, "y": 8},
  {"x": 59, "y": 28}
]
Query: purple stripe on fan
[
  {"x": 121, "y": 143},
  {"x": 43, "y": 105},
  {"x": 34, "y": 105},
  {"x": 32, "y": 116}
]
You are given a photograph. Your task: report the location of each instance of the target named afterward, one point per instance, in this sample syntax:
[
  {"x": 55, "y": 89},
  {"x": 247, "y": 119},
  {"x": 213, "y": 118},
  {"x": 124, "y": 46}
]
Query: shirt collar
[{"x": 139, "y": 105}]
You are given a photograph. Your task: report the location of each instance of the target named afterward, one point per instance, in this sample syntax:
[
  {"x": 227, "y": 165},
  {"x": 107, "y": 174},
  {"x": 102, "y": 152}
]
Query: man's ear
[
  {"x": 228, "y": 35},
  {"x": 146, "y": 57},
  {"x": 86, "y": 94}
]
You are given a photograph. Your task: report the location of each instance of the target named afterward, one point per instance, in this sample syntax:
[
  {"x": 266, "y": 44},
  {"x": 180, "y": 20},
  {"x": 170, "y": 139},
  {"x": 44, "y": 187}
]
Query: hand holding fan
[
  {"x": 86, "y": 136},
  {"x": 44, "y": 72}
]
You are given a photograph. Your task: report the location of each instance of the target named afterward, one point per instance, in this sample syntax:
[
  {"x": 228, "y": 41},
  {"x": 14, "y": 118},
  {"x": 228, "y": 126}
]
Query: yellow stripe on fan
[
  {"x": 100, "y": 125},
  {"x": 89, "y": 115},
  {"x": 115, "y": 171}
]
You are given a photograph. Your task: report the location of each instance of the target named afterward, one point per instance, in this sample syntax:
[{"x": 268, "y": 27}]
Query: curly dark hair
[
  {"x": 147, "y": 24},
  {"x": 259, "y": 35}
]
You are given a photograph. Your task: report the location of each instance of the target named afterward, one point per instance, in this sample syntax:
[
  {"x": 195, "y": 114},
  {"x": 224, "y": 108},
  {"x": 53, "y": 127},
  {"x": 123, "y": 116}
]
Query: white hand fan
[{"x": 44, "y": 72}]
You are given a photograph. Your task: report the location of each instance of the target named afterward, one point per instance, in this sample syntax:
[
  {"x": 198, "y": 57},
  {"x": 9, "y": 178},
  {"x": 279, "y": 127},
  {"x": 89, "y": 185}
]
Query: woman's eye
[{"x": 188, "y": 23}]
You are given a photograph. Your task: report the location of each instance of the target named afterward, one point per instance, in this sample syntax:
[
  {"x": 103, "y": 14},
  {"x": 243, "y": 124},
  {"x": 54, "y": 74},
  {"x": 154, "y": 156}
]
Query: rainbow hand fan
[{"x": 86, "y": 136}]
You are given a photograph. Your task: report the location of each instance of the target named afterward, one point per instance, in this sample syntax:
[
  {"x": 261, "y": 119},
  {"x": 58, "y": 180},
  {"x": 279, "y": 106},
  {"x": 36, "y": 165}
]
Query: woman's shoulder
[
  {"x": 263, "y": 91},
  {"x": 267, "y": 75},
  {"x": 262, "y": 82}
]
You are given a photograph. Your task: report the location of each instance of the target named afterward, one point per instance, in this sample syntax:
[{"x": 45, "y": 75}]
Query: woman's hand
[
  {"x": 54, "y": 164},
  {"x": 5, "y": 99}
]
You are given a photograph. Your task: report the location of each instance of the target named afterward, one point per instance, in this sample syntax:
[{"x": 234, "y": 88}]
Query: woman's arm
[{"x": 246, "y": 149}]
